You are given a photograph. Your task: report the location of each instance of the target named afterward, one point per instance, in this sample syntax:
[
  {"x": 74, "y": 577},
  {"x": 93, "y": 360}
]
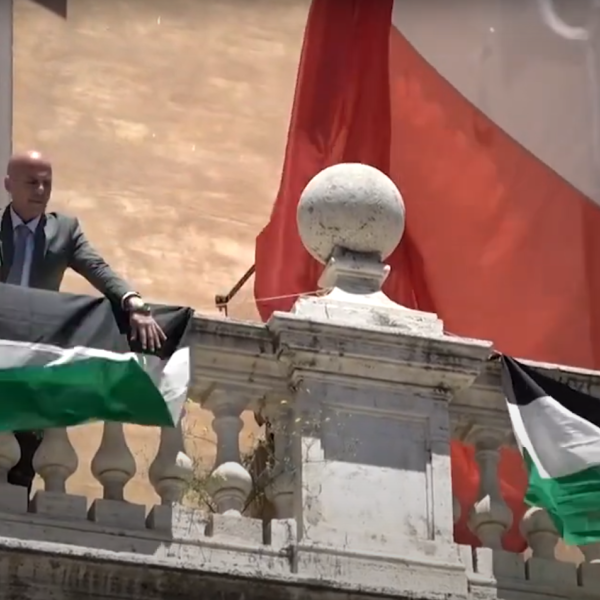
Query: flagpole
[{"x": 6, "y": 86}]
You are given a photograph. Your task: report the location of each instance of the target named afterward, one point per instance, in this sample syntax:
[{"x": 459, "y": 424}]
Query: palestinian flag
[
  {"x": 67, "y": 359},
  {"x": 558, "y": 431}
]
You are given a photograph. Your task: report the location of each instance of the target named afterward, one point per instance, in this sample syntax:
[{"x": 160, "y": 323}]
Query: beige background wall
[{"x": 166, "y": 121}]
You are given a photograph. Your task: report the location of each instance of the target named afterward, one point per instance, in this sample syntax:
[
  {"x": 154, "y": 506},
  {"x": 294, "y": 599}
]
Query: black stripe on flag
[
  {"x": 522, "y": 385},
  {"x": 69, "y": 320}
]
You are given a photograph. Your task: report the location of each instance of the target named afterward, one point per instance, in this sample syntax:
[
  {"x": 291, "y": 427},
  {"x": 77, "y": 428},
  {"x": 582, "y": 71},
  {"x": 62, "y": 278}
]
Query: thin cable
[
  {"x": 319, "y": 292},
  {"x": 251, "y": 300}
]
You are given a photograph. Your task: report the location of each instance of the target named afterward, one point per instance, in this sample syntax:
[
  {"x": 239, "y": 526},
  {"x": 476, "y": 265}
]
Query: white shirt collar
[{"x": 16, "y": 221}]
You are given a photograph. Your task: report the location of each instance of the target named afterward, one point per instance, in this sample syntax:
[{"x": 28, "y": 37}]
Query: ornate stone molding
[
  {"x": 380, "y": 354},
  {"x": 228, "y": 352}
]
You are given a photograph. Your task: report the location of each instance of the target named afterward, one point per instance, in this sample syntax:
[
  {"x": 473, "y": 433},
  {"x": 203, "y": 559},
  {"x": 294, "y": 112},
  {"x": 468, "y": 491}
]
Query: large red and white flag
[{"x": 487, "y": 116}]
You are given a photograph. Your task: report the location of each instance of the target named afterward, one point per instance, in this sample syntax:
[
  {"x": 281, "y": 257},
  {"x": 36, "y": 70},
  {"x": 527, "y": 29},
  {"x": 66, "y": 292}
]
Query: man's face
[{"x": 29, "y": 186}]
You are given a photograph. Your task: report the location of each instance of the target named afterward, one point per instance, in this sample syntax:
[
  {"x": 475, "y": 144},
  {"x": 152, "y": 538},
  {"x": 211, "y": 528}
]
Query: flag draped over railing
[
  {"x": 67, "y": 359},
  {"x": 558, "y": 431}
]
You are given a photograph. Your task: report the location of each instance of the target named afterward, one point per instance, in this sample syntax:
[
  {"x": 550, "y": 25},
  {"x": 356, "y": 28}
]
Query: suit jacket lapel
[
  {"x": 45, "y": 231},
  {"x": 6, "y": 244}
]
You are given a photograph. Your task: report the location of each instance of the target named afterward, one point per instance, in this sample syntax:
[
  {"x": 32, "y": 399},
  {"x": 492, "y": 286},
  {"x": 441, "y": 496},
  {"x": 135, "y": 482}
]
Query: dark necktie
[{"x": 16, "y": 270}]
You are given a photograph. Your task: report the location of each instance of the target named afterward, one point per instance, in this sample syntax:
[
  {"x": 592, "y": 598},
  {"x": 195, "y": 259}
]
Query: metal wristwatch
[
  {"x": 143, "y": 309},
  {"x": 140, "y": 307}
]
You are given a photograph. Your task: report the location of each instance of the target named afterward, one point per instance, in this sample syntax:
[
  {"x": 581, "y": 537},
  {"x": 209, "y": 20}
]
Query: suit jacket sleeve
[{"x": 86, "y": 261}]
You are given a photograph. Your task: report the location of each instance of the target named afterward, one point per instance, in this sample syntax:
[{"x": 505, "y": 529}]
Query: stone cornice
[
  {"x": 265, "y": 358},
  {"x": 229, "y": 353},
  {"x": 377, "y": 353},
  {"x": 236, "y": 568},
  {"x": 261, "y": 357}
]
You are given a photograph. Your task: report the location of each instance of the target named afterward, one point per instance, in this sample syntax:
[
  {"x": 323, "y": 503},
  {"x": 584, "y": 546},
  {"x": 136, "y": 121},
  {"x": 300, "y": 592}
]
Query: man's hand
[{"x": 143, "y": 326}]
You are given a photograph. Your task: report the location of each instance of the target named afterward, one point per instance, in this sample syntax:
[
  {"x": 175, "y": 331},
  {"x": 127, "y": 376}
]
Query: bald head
[
  {"x": 29, "y": 183},
  {"x": 27, "y": 160}
]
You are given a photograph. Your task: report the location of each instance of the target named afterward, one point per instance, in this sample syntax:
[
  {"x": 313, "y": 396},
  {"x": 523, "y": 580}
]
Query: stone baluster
[
  {"x": 230, "y": 483},
  {"x": 10, "y": 453},
  {"x": 113, "y": 466},
  {"x": 490, "y": 517},
  {"x": 280, "y": 490},
  {"x": 539, "y": 531},
  {"x": 172, "y": 469},
  {"x": 13, "y": 498},
  {"x": 55, "y": 459}
]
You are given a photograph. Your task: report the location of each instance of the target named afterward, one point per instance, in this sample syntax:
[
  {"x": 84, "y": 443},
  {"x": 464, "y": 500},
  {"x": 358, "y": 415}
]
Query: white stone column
[
  {"x": 10, "y": 453},
  {"x": 55, "y": 460},
  {"x": 113, "y": 465},
  {"x": 371, "y": 384},
  {"x": 539, "y": 531},
  {"x": 13, "y": 498},
  {"x": 490, "y": 517},
  {"x": 172, "y": 469},
  {"x": 230, "y": 483}
]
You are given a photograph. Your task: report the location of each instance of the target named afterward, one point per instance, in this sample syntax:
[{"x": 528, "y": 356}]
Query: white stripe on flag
[
  {"x": 559, "y": 442},
  {"x": 171, "y": 376}
]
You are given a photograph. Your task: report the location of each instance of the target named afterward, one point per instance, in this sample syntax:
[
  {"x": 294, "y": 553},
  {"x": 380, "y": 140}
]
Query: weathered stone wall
[
  {"x": 28, "y": 576},
  {"x": 166, "y": 120}
]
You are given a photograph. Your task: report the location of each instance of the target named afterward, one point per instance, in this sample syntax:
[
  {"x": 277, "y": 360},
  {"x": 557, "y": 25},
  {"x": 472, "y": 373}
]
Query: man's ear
[{"x": 7, "y": 184}]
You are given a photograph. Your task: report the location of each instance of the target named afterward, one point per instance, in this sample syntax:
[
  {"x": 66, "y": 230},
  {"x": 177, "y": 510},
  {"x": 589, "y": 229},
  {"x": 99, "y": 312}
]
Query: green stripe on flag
[
  {"x": 572, "y": 501},
  {"x": 67, "y": 359},
  {"x": 72, "y": 393}
]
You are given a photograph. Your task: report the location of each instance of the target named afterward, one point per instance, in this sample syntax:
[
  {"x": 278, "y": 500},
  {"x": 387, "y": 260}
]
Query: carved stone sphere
[{"x": 351, "y": 206}]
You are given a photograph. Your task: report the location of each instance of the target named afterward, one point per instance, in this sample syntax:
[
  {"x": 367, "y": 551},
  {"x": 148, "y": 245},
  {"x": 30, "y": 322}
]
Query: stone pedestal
[
  {"x": 372, "y": 381},
  {"x": 372, "y": 437}
]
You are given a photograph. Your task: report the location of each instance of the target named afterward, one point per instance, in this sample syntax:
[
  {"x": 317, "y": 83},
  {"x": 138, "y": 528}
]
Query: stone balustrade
[
  {"x": 113, "y": 467},
  {"x": 362, "y": 398}
]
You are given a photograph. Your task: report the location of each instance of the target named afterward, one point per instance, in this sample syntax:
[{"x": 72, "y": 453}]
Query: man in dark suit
[{"x": 37, "y": 247}]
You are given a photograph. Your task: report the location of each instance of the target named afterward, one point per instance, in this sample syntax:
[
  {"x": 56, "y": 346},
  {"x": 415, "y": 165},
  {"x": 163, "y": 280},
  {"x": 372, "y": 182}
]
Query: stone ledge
[
  {"x": 234, "y": 546},
  {"x": 135, "y": 573},
  {"x": 70, "y": 512},
  {"x": 40, "y": 576},
  {"x": 164, "y": 525},
  {"x": 160, "y": 568},
  {"x": 530, "y": 578}
]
